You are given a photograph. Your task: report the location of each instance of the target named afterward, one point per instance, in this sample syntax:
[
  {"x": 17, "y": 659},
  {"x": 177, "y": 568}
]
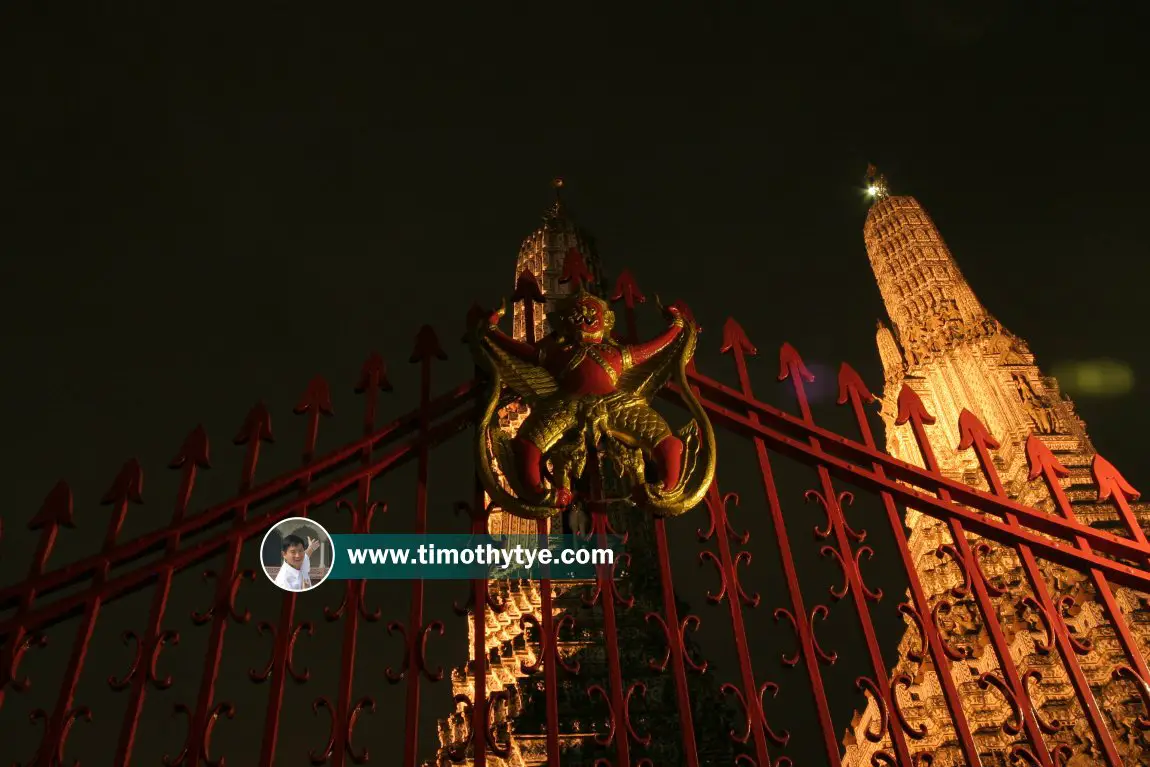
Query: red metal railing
[{"x": 36, "y": 606}]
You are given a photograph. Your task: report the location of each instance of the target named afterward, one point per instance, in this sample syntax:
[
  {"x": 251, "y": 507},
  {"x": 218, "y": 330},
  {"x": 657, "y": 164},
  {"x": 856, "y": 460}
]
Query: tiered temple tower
[
  {"x": 543, "y": 253},
  {"x": 520, "y": 725},
  {"x": 951, "y": 351}
]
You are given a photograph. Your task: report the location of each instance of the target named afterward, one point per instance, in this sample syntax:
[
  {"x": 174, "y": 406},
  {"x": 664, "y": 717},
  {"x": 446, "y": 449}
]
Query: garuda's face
[{"x": 587, "y": 320}]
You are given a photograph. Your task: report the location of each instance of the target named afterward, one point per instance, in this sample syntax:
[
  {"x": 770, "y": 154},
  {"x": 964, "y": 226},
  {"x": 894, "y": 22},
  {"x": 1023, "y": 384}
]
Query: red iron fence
[{"x": 63, "y": 603}]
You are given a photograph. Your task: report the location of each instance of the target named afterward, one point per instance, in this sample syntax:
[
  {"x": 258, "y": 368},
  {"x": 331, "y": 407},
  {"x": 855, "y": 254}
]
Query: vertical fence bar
[
  {"x": 1043, "y": 463},
  {"x": 479, "y": 596},
  {"x": 125, "y": 489},
  {"x": 1112, "y": 484},
  {"x": 426, "y": 347},
  {"x": 674, "y": 630},
  {"x": 627, "y": 290},
  {"x": 256, "y": 429},
  {"x": 528, "y": 292},
  {"x": 808, "y": 651},
  {"x": 851, "y": 387},
  {"x": 55, "y": 512},
  {"x": 607, "y": 594},
  {"x": 791, "y": 366},
  {"x": 372, "y": 380},
  {"x": 316, "y": 401},
  {"x": 911, "y": 408},
  {"x": 345, "y": 714},
  {"x": 193, "y": 455},
  {"x": 549, "y": 642},
  {"x": 751, "y": 694},
  {"x": 575, "y": 273},
  {"x": 974, "y": 434}
]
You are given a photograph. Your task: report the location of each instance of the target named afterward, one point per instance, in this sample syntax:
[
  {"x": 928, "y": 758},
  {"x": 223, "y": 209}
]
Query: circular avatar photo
[{"x": 297, "y": 554}]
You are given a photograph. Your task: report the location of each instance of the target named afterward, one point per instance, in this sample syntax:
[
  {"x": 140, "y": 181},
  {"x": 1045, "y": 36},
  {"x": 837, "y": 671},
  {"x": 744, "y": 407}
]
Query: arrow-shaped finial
[
  {"x": 735, "y": 339},
  {"x": 850, "y": 382},
  {"x": 972, "y": 432},
  {"x": 316, "y": 397},
  {"x": 427, "y": 346},
  {"x": 910, "y": 407},
  {"x": 527, "y": 288},
  {"x": 628, "y": 290},
  {"x": 575, "y": 270},
  {"x": 127, "y": 486},
  {"x": 193, "y": 451},
  {"x": 1041, "y": 460},
  {"x": 790, "y": 362},
  {"x": 257, "y": 426},
  {"x": 56, "y": 509},
  {"x": 1110, "y": 481},
  {"x": 373, "y": 374}
]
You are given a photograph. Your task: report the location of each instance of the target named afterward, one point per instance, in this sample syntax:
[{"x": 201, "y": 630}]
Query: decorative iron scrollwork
[
  {"x": 845, "y": 498},
  {"x": 960, "y": 653},
  {"x": 865, "y": 683},
  {"x": 903, "y": 680},
  {"x": 990, "y": 679},
  {"x": 790, "y": 660},
  {"x": 289, "y": 653},
  {"x": 909, "y": 610},
  {"x": 692, "y": 621},
  {"x": 962, "y": 590},
  {"x": 1143, "y": 722},
  {"x": 1043, "y": 646},
  {"x": 420, "y": 652},
  {"x": 221, "y": 709},
  {"x": 1053, "y": 725},
  {"x": 545, "y": 643},
  {"x": 821, "y": 611},
  {"x": 16, "y": 654},
  {"x": 600, "y": 738},
  {"x": 979, "y": 551},
  {"x": 152, "y": 649},
  {"x": 54, "y": 743}
]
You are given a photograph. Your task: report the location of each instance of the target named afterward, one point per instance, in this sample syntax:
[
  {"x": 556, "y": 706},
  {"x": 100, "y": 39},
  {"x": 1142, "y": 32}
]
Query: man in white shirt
[{"x": 295, "y": 574}]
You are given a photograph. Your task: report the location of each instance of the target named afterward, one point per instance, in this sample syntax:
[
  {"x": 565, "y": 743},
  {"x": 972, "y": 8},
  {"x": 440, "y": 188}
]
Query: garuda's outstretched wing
[
  {"x": 646, "y": 378},
  {"x": 529, "y": 381},
  {"x": 493, "y": 445}
]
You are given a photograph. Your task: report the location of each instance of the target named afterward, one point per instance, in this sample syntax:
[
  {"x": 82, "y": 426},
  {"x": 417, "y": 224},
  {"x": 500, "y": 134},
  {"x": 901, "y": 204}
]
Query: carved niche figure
[
  {"x": 914, "y": 348},
  {"x": 931, "y": 322},
  {"x": 1005, "y": 345},
  {"x": 952, "y": 321},
  {"x": 1038, "y": 408}
]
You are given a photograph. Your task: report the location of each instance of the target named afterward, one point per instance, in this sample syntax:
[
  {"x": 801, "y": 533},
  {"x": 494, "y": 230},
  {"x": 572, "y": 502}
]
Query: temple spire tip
[
  {"x": 876, "y": 187},
  {"x": 557, "y": 208}
]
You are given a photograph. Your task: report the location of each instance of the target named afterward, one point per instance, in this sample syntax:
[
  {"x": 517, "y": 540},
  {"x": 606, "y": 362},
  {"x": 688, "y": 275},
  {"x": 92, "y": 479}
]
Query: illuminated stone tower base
[{"x": 947, "y": 348}]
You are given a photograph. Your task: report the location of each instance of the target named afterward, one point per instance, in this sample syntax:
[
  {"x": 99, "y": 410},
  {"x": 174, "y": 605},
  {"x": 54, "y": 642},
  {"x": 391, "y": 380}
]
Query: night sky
[{"x": 208, "y": 209}]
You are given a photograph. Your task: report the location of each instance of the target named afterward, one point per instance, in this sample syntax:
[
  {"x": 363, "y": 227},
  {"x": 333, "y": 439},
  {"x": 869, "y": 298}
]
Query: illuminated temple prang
[
  {"x": 520, "y": 724},
  {"x": 949, "y": 350}
]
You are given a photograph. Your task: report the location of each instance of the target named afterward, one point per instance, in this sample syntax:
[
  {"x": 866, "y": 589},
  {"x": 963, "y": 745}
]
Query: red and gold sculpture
[{"x": 587, "y": 390}]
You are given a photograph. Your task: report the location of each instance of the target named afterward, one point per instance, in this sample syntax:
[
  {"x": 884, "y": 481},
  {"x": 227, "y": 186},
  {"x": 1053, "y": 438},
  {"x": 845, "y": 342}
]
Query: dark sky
[{"x": 207, "y": 209}]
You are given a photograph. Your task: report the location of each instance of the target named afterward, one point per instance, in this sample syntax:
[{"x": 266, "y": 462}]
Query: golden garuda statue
[{"x": 589, "y": 392}]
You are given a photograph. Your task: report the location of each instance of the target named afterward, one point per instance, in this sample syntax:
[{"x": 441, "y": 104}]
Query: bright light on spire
[{"x": 876, "y": 183}]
